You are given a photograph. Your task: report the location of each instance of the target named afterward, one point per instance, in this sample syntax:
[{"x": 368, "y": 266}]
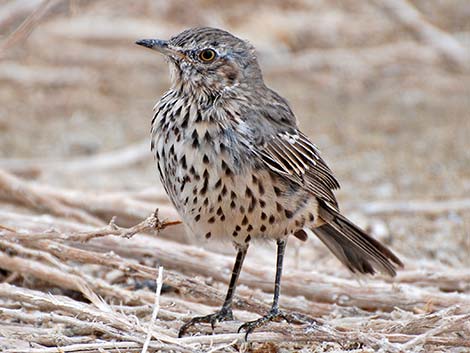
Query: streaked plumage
[{"x": 236, "y": 166}]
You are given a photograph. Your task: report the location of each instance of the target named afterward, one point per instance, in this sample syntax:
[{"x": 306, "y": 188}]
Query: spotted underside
[{"x": 219, "y": 186}]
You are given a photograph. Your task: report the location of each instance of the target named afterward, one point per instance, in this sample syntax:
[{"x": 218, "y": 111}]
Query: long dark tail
[{"x": 352, "y": 246}]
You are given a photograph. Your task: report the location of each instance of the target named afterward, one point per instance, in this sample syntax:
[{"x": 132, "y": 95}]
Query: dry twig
[
  {"x": 23, "y": 193},
  {"x": 156, "y": 308},
  {"x": 121, "y": 158},
  {"x": 28, "y": 25},
  {"x": 413, "y": 20}
]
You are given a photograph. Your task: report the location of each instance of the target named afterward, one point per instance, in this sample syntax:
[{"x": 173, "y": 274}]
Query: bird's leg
[
  {"x": 225, "y": 313},
  {"x": 274, "y": 314}
]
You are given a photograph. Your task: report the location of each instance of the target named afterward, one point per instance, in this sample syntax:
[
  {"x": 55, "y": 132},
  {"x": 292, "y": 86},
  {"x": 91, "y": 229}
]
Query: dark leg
[
  {"x": 274, "y": 314},
  {"x": 225, "y": 312},
  {"x": 281, "y": 247}
]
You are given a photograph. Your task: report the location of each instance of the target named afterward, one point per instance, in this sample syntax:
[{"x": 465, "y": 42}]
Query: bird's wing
[{"x": 292, "y": 155}]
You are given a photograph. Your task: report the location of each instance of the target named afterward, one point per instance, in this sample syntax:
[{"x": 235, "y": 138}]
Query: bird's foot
[
  {"x": 225, "y": 314},
  {"x": 274, "y": 315}
]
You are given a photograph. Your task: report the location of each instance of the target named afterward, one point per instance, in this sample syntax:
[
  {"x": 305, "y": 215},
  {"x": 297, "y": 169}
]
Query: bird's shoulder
[{"x": 278, "y": 144}]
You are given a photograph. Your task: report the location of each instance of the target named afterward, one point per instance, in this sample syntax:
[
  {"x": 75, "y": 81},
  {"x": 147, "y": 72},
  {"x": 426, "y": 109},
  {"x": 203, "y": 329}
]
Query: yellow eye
[{"x": 207, "y": 55}]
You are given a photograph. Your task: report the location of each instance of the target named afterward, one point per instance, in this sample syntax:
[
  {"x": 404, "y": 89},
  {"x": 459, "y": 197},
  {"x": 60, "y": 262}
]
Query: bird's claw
[
  {"x": 273, "y": 315},
  {"x": 222, "y": 315}
]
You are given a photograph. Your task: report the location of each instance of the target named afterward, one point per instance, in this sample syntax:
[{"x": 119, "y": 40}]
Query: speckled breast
[{"x": 216, "y": 185}]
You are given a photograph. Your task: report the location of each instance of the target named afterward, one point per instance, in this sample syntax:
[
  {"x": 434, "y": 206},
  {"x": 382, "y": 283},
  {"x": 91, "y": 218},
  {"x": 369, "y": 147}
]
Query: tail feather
[{"x": 352, "y": 246}]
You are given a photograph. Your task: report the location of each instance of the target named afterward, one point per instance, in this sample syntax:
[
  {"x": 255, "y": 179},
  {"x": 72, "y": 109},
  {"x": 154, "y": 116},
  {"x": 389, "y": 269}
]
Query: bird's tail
[{"x": 352, "y": 246}]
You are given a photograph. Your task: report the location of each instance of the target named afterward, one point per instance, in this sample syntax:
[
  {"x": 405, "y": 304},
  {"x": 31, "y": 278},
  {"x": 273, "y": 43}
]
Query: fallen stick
[
  {"x": 108, "y": 347},
  {"x": 313, "y": 285},
  {"x": 156, "y": 308},
  {"x": 109, "y": 322},
  {"x": 15, "y": 10},
  {"x": 47, "y": 273},
  {"x": 414, "y": 206},
  {"x": 186, "y": 285},
  {"x": 78, "y": 327},
  {"x": 35, "y": 336},
  {"x": 120, "y": 158},
  {"x": 341, "y": 337},
  {"x": 357, "y": 63},
  {"x": 81, "y": 310},
  {"x": 415, "y": 22},
  {"x": 86, "y": 207},
  {"x": 39, "y": 223},
  {"x": 28, "y": 25},
  {"x": 21, "y": 192}
]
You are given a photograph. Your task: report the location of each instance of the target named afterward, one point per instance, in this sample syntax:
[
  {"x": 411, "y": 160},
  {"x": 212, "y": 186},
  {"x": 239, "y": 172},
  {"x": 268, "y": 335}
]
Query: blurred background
[{"x": 382, "y": 87}]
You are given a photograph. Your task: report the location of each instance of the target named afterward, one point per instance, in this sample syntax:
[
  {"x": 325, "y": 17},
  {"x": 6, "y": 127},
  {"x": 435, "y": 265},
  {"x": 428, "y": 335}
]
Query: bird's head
[{"x": 208, "y": 59}]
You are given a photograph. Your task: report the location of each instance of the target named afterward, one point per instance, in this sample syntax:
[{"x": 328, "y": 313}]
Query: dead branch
[
  {"x": 414, "y": 21},
  {"x": 199, "y": 289},
  {"x": 22, "y": 193},
  {"x": 15, "y": 10},
  {"x": 59, "y": 303},
  {"x": 121, "y": 158},
  {"x": 67, "y": 277},
  {"x": 111, "y": 347},
  {"x": 156, "y": 308},
  {"x": 107, "y": 205},
  {"x": 87, "y": 207},
  {"x": 39, "y": 223},
  {"x": 36, "y": 75},
  {"x": 447, "y": 279},
  {"x": 28, "y": 25},
  {"x": 78, "y": 327},
  {"x": 188, "y": 285},
  {"x": 39, "y": 335},
  {"x": 151, "y": 224},
  {"x": 445, "y": 325},
  {"x": 280, "y": 333},
  {"x": 414, "y": 206},
  {"x": 358, "y": 62},
  {"x": 313, "y": 285},
  {"x": 88, "y": 28},
  {"x": 46, "y": 273},
  {"x": 71, "y": 280}
]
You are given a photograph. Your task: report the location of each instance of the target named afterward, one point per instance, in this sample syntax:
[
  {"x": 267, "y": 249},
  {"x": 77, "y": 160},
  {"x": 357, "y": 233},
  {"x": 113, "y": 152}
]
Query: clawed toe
[
  {"x": 213, "y": 319},
  {"x": 250, "y": 326}
]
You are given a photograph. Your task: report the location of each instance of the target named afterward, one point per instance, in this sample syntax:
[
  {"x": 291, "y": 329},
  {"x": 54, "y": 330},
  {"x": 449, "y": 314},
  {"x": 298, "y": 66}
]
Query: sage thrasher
[{"x": 236, "y": 166}]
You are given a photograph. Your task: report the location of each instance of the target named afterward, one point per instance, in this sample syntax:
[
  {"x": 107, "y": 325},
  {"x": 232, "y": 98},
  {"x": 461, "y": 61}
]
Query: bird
[{"x": 236, "y": 166}]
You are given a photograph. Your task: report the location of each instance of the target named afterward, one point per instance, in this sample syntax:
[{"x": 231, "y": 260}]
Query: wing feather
[
  {"x": 301, "y": 161},
  {"x": 286, "y": 153},
  {"x": 294, "y": 156},
  {"x": 279, "y": 157}
]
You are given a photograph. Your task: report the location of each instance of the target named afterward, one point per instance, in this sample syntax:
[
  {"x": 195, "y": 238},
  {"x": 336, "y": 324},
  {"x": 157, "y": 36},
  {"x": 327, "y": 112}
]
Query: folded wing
[{"x": 294, "y": 156}]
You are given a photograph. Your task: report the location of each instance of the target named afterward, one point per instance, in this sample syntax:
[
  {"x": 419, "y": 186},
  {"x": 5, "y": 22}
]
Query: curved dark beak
[{"x": 162, "y": 46}]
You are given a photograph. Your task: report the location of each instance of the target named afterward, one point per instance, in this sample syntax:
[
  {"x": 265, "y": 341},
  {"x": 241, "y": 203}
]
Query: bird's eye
[{"x": 207, "y": 55}]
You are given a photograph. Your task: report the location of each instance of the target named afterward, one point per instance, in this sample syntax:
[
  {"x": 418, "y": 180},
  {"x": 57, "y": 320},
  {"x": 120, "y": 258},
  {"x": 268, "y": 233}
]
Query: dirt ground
[{"x": 386, "y": 99}]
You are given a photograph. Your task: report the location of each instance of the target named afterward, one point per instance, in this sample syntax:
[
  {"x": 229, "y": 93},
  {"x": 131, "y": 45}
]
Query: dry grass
[{"x": 380, "y": 86}]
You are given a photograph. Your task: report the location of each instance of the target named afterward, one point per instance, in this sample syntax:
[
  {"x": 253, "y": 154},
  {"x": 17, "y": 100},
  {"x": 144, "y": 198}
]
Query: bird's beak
[{"x": 162, "y": 46}]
